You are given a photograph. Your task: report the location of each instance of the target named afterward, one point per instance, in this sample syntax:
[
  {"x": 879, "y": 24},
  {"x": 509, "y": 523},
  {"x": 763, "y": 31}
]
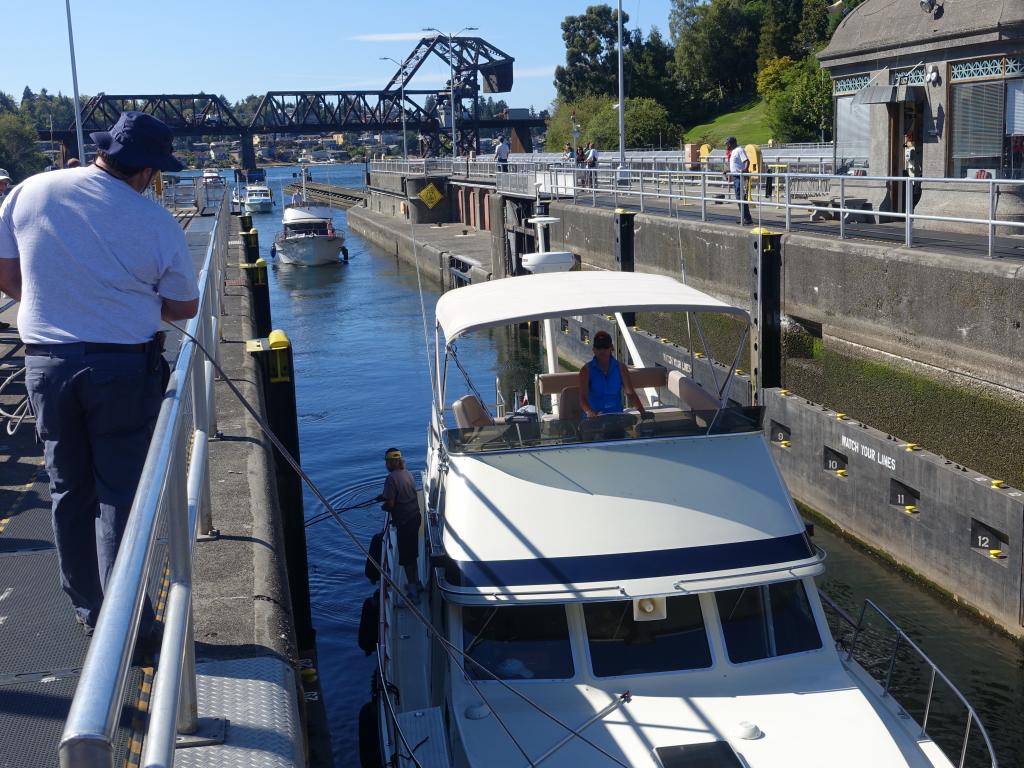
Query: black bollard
[
  {"x": 259, "y": 291},
  {"x": 274, "y": 358},
  {"x": 251, "y": 245},
  {"x": 624, "y": 250},
  {"x": 245, "y": 222},
  {"x": 766, "y": 311}
]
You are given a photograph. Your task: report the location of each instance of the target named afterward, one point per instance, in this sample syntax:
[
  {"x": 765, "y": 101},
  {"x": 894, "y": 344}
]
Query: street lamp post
[
  {"x": 622, "y": 101},
  {"x": 405, "y": 141},
  {"x": 74, "y": 82},
  {"x": 451, "y": 73}
]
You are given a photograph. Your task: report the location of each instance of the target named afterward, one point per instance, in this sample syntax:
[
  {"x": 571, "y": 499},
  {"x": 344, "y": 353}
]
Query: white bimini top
[{"x": 535, "y": 297}]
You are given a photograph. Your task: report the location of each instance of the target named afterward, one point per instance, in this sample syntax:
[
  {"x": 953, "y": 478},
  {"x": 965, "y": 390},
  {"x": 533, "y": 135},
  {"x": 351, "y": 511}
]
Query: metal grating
[
  {"x": 32, "y": 718},
  {"x": 29, "y": 525},
  {"x": 968, "y": 70},
  {"x": 38, "y": 632},
  {"x": 258, "y": 698}
]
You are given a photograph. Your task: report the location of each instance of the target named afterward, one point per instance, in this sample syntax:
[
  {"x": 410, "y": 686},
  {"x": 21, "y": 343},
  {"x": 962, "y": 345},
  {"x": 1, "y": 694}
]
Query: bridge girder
[{"x": 292, "y": 112}]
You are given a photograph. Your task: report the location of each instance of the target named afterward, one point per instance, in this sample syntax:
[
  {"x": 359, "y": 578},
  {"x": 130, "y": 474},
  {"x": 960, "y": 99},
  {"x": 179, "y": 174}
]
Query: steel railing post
[
  {"x": 842, "y": 207},
  {"x": 641, "y": 190},
  {"x": 703, "y": 196},
  {"x": 789, "y": 201},
  {"x": 908, "y": 212},
  {"x": 991, "y": 217},
  {"x": 671, "y": 207},
  {"x": 592, "y": 178}
]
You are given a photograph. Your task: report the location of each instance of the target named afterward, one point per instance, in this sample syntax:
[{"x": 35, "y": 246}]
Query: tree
[
  {"x": 591, "y": 53},
  {"x": 799, "y": 100},
  {"x": 814, "y": 25},
  {"x": 767, "y": 43},
  {"x": 681, "y": 17},
  {"x": 716, "y": 56},
  {"x": 18, "y": 153},
  {"x": 649, "y": 74},
  {"x": 559, "y": 127},
  {"x": 647, "y": 125}
]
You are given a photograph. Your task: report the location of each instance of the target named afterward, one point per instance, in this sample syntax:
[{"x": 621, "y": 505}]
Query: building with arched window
[{"x": 931, "y": 88}]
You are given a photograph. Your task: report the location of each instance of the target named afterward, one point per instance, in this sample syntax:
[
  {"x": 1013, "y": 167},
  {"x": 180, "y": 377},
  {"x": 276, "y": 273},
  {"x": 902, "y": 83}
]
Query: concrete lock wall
[
  {"x": 954, "y": 312},
  {"x": 958, "y": 516},
  {"x": 398, "y": 241}
]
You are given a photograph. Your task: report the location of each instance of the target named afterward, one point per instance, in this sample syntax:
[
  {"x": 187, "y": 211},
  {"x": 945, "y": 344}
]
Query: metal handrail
[
  {"x": 170, "y": 492},
  {"x": 902, "y": 638}
]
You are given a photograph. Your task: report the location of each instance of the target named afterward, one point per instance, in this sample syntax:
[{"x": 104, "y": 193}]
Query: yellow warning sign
[{"x": 430, "y": 195}]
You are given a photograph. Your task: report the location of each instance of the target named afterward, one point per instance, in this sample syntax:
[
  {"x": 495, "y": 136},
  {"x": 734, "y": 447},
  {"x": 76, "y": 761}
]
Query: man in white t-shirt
[
  {"x": 96, "y": 267},
  {"x": 739, "y": 163},
  {"x": 501, "y": 152}
]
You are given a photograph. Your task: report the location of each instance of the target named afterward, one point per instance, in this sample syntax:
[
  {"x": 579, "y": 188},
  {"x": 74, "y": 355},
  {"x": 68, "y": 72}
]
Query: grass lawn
[{"x": 748, "y": 124}]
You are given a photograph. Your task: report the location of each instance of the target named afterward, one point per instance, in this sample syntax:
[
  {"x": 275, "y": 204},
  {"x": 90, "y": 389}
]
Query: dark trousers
[
  {"x": 503, "y": 166},
  {"x": 739, "y": 188},
  {"x": 95, "y": 413}
]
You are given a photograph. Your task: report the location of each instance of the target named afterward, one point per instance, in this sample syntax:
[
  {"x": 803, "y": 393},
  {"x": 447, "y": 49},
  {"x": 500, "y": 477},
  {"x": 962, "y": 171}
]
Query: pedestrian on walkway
[
  {"x": 96, "y": 266},
  {"x": 739, "y": 164},
  {"x": 501, "y": 152}
]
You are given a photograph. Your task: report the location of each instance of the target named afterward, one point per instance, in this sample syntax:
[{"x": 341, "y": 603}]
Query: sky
[{"x": 237, "y": 48}]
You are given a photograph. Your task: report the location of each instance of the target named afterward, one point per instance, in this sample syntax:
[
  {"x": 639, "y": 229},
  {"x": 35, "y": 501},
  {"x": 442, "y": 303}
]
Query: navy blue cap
[{"x": 139, "y": 140}]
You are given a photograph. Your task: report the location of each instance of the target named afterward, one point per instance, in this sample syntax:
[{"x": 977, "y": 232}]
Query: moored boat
[
  {"x": 617, "y": 590},
  {"x": 258, "y": 199},
  {"x": 308, "y": 237}
]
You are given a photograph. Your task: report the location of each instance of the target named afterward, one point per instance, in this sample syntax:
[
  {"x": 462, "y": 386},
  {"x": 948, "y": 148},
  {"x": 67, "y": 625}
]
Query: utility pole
[
  {"x": 405, "y": 141},
  {"x": 74, "y": 81},
  {"x": 622, "y": 100},
  {"x": 451, "y": 71}
]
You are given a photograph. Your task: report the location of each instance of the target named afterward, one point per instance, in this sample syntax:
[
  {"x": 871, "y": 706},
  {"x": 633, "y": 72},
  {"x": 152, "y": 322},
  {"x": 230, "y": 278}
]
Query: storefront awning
[{"x": 889, "y": 94}]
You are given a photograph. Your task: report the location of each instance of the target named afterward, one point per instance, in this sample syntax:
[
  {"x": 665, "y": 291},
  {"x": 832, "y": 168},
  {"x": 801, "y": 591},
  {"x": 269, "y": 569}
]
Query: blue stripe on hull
[{"x": 627, "y": 566}]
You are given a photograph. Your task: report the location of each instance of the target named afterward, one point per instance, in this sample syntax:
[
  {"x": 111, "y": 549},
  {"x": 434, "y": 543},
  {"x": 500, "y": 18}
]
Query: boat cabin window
[
  {"x": 622, "y": 645},
  {"x": 761, "y": 622},
  {"x": 517, "y": 642}
]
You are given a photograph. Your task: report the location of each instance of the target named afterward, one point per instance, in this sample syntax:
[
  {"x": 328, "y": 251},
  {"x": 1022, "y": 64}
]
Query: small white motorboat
[
  {"x": 258, "y": 199},
  {"x": 309, "y": 238}
]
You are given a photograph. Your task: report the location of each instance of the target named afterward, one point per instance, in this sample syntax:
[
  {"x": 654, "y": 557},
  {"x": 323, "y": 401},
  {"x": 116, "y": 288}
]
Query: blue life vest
[{"x": 604, "y": 390}]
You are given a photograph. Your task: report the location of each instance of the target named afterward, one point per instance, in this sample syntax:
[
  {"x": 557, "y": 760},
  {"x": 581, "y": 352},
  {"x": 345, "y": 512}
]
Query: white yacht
[
  {"x": 618, "y": 591},
  {"x": 308, "y": 237},
  {"x": 258, "y": 199}
]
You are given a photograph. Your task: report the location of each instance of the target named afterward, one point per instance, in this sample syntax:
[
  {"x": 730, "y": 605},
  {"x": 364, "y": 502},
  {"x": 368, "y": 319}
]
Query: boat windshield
[
  {"x": 620, "y": 644},
  {"x": 766, "y": 621},
  {"x": 518, "y": 642},
  {"x": 519, "y": 432}
]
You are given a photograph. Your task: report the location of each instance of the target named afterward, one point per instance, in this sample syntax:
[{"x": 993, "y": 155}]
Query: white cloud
[{"x": 388, "y": 37}]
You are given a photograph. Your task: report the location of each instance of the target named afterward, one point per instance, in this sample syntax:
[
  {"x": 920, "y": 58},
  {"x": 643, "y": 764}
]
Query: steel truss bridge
[{"x": 427, "y": 112}]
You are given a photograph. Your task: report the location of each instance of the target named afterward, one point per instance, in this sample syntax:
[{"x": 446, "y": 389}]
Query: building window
[
  {"x": 912, "y": 76},
  {"x": 853, "y": 132},
  {"x": 850, "y": 84},
  {"x": 988, "y": 130}
]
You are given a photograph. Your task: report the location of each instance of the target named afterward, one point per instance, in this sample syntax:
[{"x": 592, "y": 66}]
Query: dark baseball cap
[
  {"x": 139, "y": 140},
  {"x": 731, "y": 141}
]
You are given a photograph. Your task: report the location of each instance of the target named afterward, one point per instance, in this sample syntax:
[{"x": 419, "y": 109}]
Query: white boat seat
[
  {"x": 569, "y": 408},
  {"x": 470, "y": 412},
  {"x": 692, "y": 394}
]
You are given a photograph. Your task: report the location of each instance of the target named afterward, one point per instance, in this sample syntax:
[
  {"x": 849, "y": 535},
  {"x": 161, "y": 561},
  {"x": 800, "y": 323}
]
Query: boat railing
[
  {"x": 171, "y": 504},
  {"x": 855, "y": 637}
]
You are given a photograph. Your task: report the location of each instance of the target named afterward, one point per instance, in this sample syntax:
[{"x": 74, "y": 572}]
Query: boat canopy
[{"x": 536, "y": 297}]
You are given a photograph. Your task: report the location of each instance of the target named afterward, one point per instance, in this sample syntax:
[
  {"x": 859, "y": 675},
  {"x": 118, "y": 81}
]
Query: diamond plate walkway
[{"x": 245, "y": 651}]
